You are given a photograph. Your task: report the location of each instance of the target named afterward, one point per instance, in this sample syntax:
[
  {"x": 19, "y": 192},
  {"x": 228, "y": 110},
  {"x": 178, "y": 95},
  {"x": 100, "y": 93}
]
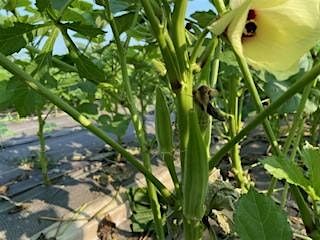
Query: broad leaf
[
  {"x": 124, "y": 22},
  {"x": 204, "y": 18},
  {"x": 84, "y": 29},
  {"x": 13, "y": 4},
  {"x": 25, "y": 100},
  {"x": 258, "y": 217},
  {"x": 60, "y": 4},
  {"x": 89, "y": 108},
  {"x": 140, "y": 206},
  {"x": 282, "y": 168},
  {"x": 42, "y": 5},
  {"x": 311, "y": 157},
  {"x": 117, "y": 125},
  {"x": 89, "y": 70},
  {"x": 275, "y": 89},
  {"x": 12, "y": 38}
]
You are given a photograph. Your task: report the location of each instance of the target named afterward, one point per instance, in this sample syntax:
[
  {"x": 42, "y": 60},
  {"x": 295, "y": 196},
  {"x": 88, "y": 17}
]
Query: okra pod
[{"x": 195, "y": 178}]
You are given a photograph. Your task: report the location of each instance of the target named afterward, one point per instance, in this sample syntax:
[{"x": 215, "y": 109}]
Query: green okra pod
[
  {"x": 164, "y": 135},
  {"x": 163, "y": 123},
  {"x": 195, "y": 178}
]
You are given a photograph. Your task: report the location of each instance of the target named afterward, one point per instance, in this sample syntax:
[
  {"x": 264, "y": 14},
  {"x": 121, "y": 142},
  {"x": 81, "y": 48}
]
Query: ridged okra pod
[
  {"x": 164, "y": 135},
  {"x": 195, "y": 178}
]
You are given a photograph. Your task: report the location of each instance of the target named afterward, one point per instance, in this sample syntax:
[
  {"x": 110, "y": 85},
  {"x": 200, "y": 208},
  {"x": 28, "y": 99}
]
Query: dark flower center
[
  {"x": 251, "y": 14},
  {"x": 251, "y": 27}
]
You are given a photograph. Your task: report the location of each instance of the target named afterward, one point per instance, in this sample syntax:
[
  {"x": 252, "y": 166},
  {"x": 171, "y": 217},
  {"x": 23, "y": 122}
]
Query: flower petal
[
  {"x": 285, "y": 32},
  {"x": 221, "y": 24}
]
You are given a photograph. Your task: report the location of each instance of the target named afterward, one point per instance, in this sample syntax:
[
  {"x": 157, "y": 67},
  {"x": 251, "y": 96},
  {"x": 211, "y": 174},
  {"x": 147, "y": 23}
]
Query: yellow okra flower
[{"x": 272, "y": 35}]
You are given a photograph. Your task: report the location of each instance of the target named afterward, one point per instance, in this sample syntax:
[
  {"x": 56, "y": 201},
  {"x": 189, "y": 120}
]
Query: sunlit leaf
[
  {"x": 282, "y": 168},
  {"x": 311, "y": 156},
  {"x": 257, "y": 215}
]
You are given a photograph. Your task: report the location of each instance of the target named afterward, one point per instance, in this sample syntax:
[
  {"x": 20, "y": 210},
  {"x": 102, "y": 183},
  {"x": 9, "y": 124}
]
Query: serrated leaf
[
  {"x": 311, "y": 157},
  {"x": 12, "y": 38},
  {"x": 282, "y": 168},
  {"x": 84, "y": 29},
  {"x": 257, "y": 215}
]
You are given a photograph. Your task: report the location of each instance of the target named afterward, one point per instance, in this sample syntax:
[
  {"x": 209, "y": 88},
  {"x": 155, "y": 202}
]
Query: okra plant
[{"x": 242, "y": 64}]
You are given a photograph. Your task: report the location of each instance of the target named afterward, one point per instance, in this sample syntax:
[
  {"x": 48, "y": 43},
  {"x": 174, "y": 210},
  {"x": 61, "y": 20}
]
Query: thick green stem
[
  {"x": 139, "y": 128},
  {"x": 192, "y": 229},
  {"x": 219, "y": 4},
  {"x": 234, "y": 127},
  {"x": 165, "y": 44},
  {"x": 179, "y": 34},
  {"x": 38, "y": 87},
  {"x": 197, "y": 46}
]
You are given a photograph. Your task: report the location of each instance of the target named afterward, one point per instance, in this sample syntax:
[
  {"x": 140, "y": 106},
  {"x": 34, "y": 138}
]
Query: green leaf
[
  {"x": 12, "y": 38},
  {"x": 204, "y": 18},
  {"x": 124, "y": 22},
  {"x": 258, "y": 217},
  {"x": 311, "y": 157},
  {"x": 275, "y": 88},
  {"x": 282, "y": 168},
  {"x": 5, "y": 95},
  {"x": 120, "y": 5},
  {"x": 140, "y": 206},
  {"x": 89, "y": 108},
  {"x": 117, "y": 125},
  {"x": 25, "y": 100},
  {"x": 89, "y": 70},
  {"x": 84, "y": 29},
  {"x": 60, "y": 4},
  {"x": 42, "y": 5}
]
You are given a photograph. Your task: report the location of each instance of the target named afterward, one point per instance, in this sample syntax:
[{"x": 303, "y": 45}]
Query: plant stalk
[
  {"x": 38, "y": 87},
  {"x": 139, "y": 128}
]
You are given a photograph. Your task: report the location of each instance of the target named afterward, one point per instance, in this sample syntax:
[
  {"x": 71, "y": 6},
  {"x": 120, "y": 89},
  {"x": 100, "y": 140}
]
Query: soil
[{"x": 83, "y": 169}]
